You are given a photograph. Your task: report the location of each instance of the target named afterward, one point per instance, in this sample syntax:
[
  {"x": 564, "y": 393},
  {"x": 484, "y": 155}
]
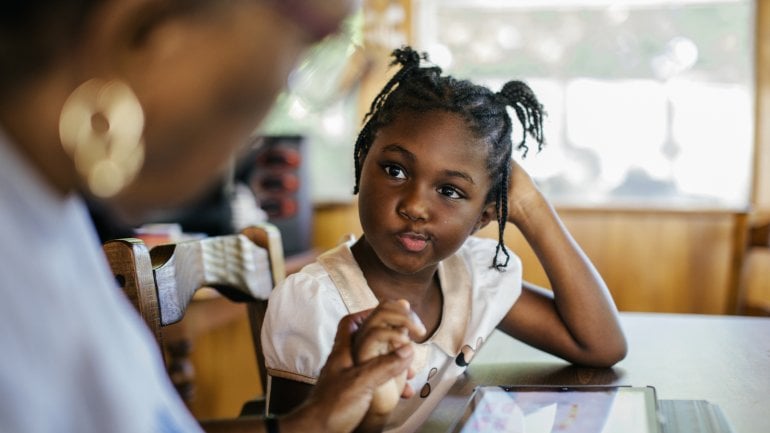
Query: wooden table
[{"x": 722, "y": 359}]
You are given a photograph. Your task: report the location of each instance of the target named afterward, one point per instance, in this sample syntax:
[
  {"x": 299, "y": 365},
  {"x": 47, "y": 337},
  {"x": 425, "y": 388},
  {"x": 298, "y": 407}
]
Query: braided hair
[{"x": 423, "y": 89}]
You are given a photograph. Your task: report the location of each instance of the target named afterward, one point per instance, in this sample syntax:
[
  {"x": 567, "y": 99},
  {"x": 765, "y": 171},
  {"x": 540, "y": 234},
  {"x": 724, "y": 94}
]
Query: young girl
[{"x": 433, "y": 166}]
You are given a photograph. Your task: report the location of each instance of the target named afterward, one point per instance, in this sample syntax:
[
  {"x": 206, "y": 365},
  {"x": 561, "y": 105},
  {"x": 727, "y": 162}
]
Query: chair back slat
[
  {"x": 162, "y": 281},
  {"x": 131, "y": 265},
  {"x": 268, "y": 237},
  {"x": 232, "y": 264}
]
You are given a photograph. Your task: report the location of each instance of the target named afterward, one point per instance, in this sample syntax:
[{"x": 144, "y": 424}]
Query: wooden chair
[
  {"x": 757, "y": 239},
  {"x": 162, "y": 281}
]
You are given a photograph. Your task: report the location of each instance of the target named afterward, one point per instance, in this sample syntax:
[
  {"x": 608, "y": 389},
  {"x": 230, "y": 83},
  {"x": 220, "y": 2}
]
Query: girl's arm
[{"x": 578, "y": 320}]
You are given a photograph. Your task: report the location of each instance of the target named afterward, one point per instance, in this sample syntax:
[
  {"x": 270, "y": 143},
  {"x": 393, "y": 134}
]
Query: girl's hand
[
  {"x": 386, "y": 328},
  {"x": 523, "y": 195},
  {"x": 390, "y": 327}
]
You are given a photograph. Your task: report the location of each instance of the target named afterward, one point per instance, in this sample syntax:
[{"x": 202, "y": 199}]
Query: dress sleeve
[
  {"x": 494, "y": 292},
  {"x": 300, "y": 325}
]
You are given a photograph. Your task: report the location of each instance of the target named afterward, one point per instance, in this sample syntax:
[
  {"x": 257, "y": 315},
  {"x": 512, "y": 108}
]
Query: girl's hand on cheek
[{"x": 523, "y": 195}]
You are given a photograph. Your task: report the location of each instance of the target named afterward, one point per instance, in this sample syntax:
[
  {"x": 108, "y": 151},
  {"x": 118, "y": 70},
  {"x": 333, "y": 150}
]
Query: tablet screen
[{"x": 580, "y": 409}]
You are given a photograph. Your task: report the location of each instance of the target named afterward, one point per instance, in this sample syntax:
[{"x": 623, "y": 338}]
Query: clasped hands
[{"x": 367, "y": 370}]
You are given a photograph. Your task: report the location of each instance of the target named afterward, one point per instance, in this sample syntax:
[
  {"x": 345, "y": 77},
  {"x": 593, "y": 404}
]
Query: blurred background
[
  {"x": 654, "y": 152},
  {"x": 657, "y": 156}
]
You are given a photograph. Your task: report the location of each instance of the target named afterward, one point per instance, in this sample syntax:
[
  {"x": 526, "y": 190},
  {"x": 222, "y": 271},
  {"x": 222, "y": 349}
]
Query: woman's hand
[{"x": 345, "y": 389}]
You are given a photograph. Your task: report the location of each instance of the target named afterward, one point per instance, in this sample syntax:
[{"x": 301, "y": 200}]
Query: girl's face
[{"x": 423, "y": 190}]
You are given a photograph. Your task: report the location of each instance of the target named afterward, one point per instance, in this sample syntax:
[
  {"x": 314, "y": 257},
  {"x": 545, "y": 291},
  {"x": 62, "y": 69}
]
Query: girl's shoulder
[
  {"x": 478, "y": 254},
  {"x": 314, "y": 283},
  {"x": 478, "y": 242},
  {"x": 311, "y": 279},
  {"x": 481, "y": 251}
]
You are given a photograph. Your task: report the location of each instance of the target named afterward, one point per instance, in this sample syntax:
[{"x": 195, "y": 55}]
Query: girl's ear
[{"x": 487, "y": 214}]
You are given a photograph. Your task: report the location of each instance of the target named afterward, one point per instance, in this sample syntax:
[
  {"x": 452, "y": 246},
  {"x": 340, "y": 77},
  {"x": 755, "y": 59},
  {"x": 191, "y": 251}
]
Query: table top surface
[{"x": 722, "y": 359}]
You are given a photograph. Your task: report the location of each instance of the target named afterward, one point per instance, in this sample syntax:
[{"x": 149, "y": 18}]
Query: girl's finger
[
  {"x": 396, "y": 314},
  {"x": 378, "y": 341}
]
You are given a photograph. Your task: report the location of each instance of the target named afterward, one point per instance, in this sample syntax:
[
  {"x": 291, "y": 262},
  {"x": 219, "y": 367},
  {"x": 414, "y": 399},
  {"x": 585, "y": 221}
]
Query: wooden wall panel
[
  {"x": 666, "y": 262},
  {"x": 652, "y": 261},
  {"x": 758, "y": 279},
  {"x": 331, "y": 222}
]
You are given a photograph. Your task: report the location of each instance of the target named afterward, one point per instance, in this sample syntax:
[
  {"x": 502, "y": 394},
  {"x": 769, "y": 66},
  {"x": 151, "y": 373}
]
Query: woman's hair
[
  {"x": 423, "y": 89},
  {"x": 33, "y": 33}
]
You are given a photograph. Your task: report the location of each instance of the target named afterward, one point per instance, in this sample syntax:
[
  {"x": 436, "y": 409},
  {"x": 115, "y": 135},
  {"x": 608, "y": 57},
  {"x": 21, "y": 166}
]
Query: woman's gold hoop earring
[{"x": 101, "y": 127}]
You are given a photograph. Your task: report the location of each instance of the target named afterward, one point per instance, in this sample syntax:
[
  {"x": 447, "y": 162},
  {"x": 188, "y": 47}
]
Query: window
[
  {"x": 320, "y": 104},
  {"x": 650, "y": 103}
]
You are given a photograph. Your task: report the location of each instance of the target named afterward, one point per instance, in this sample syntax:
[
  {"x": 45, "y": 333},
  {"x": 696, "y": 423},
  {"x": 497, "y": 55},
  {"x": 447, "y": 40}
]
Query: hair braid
[
  {"x": 529, "y": 111},
  {"x": 501, "y": 209}
]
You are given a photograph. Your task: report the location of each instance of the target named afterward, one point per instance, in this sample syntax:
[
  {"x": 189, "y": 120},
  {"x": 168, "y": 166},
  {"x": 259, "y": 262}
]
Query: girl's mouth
[{"x": 413, "y": 242}]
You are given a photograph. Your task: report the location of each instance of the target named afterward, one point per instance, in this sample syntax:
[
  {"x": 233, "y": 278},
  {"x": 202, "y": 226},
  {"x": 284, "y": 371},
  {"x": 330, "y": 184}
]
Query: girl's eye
[
  {"x": 395, "y": 171},
  {"x": 450, "y": 192}
]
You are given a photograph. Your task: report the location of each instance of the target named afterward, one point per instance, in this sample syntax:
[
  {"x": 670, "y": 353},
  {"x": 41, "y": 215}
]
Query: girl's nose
[{"x": 414, "y": 206}]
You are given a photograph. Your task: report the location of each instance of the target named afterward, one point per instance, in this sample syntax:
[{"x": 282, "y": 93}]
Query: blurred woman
[{"x": 137, "y": 104}]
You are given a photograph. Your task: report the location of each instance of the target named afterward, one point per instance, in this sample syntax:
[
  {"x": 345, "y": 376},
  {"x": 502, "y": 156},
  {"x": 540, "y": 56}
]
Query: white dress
[
  {"x": 76, "y": 357},
  {"x": 303, "y": 313}
]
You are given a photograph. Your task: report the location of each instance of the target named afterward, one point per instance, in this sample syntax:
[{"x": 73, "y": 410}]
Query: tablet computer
[{"x": 560, "y": 409}]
